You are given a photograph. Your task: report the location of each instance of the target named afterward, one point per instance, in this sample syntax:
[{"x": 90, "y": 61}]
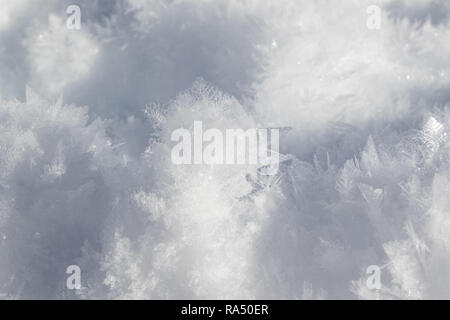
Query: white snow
[{"x": 85, "y": 172}]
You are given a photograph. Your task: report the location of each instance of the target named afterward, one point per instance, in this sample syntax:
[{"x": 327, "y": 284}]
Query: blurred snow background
[{"x": 85, "y": 170}]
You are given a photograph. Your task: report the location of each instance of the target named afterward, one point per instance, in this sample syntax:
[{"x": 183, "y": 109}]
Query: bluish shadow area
[
  {"x": 143, "y": 63},
  {"x": 437, "y": 11}
]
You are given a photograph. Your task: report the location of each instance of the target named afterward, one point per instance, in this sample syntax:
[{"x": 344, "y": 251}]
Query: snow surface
[{"x": 85, "y": 170}]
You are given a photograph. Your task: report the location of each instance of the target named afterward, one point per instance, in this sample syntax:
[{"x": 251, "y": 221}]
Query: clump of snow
[{"x": 364, "y": 174}]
